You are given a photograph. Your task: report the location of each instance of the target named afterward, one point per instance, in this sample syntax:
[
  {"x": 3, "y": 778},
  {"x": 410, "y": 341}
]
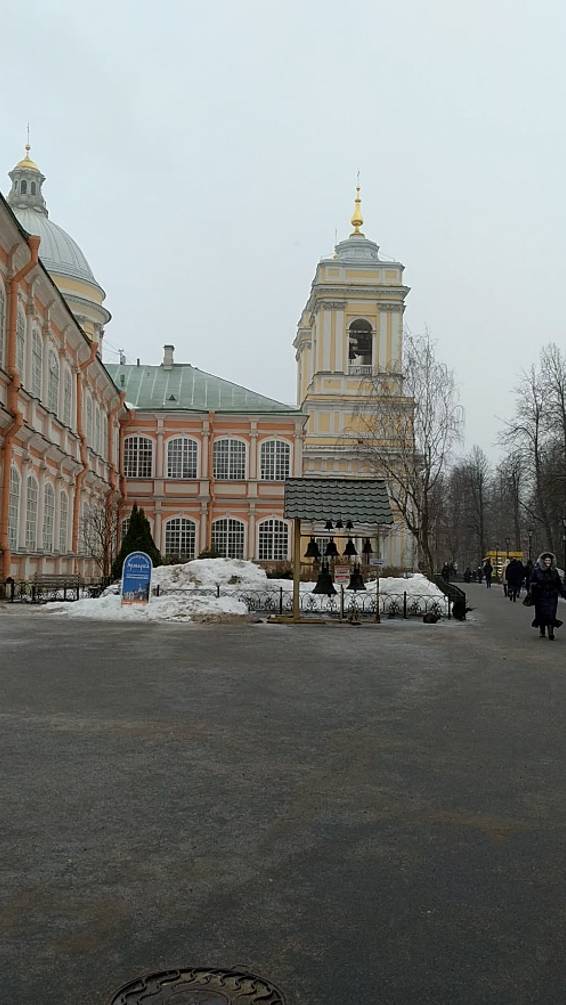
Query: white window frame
[
  {"x": 67, "y": 397},
  {"x": 21, "y": 344},
  {"x": 184, "y": 556},
  {"x": 14, "y": 499},
  {"x": 189, "y": 445},
  {"x": 133, "y": 463},
  {"x": 53, "y": 380},
  {"x": 31, "y": 516},
  {"x": 63, "y": 523},
  {"x": 48, "y": 529},
  {"x": 229, "y": 529},
  {"x": 277, "y": 440},
  {"x": 37, "y": 357},
  {"x": 229, "y": 477},
  {"x": 271, "y": 558}
]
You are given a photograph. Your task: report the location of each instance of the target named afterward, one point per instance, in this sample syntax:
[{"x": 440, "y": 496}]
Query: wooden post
[
  {"x": 296, "y": 568},
  {"x": 378, "y": 567}
]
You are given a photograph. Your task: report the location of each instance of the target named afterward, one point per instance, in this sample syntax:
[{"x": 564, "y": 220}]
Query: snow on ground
[{"x": 189, "y": 590}]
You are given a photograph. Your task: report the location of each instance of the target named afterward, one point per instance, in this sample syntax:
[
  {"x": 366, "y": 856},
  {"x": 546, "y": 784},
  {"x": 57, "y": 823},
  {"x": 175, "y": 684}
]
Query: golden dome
[{"x": 27, "y": 161}]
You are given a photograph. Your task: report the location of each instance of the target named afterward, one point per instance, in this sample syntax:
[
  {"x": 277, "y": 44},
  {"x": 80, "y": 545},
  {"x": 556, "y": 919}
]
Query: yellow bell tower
[{"x": 349, "y": 338}]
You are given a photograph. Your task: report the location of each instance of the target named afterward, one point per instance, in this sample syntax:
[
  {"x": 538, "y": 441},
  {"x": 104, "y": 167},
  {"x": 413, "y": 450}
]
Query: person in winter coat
[
  {"x": 488, "y": 573},
  {"x": 446, "y": 572},
  {"x": 546, "y": 587},
  {"x": 528, "y": 573},
  {"x": 467, "y": 574},
  {"x": 515, "y": 573},
  {"x": 480, "y": 573}
]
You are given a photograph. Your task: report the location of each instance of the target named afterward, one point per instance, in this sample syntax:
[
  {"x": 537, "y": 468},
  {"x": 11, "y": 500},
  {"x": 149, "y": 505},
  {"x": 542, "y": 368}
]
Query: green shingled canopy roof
[
  {"x": 364, "y": 501},
  {"x": 183, "y": 386}
]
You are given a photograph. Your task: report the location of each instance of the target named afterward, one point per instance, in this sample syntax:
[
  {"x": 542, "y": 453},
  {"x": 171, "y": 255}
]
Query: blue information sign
[{"x": 136, "y": 578}]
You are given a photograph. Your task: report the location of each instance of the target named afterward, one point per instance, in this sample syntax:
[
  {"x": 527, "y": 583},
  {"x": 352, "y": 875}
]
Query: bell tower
[{"x": 349, "y": 341}]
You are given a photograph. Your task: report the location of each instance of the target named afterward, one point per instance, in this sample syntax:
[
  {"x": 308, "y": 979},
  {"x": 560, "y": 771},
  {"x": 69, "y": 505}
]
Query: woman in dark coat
[{"x": 546, "y": 587}]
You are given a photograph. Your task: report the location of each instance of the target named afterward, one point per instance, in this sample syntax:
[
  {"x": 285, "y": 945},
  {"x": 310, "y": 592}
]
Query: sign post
[{"x": 136, "y": 578}]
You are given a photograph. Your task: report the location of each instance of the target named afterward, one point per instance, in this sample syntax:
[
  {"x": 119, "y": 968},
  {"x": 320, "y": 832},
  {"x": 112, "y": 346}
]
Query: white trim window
[
  {"x": 182, "y": 458},
  {"x": 138, "y": 457},
  {"x": 53, "y": 382},
  {"x": 180, "y": 539},
  {"x": 32, "y": 494},
  {"x": 85, "y": 529},
  {"x": 36, "y": 364},
  {"x": 2, "y": 323},
  {"x": 63, "y": 522},
  {"x": 48, "y": 516},
  {"x": 228, "y": 538},
  {"x": 275, "y": 460},
  {"x": 229, "y": 460},
  {"x": 67, "y": 397},
  {"x": 21, "y": 344},
  {"x": 273, "y": 541},
  {"x": 14, "y": 507},
  {"x": 97, "y": 429},
  {"x": 89, "y": 419}
]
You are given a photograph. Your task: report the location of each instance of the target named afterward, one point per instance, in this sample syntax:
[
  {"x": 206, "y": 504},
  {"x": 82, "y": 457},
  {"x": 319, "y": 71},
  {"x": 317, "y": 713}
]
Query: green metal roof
[{"x": 182, "y": 386}]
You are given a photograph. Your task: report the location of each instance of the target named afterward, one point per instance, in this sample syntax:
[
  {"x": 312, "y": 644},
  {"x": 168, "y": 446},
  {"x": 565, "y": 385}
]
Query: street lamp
[{"x": 530, "y": 533}]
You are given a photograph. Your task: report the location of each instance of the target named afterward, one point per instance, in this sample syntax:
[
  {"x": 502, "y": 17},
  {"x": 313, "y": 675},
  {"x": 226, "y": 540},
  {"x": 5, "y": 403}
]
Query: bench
[{"x": 43, "y": 583}]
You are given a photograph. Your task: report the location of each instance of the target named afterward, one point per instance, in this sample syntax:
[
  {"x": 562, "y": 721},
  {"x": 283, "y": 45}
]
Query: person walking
[
  {"x": 504, "y": 568},
  {"x": 515, "y": 573},
  {"x": 445, "y": 572},
  {"x": 546, "y": 587},
  {"x": 488, "y": 573},
  {"x": 528, "y": 573},
  {"x": 467, "y": 574},
  {"x": 480, "y": 573}
]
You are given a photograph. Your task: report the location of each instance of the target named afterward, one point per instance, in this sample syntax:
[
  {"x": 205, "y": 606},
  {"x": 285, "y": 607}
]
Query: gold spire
[
  {"x": 357, "y": 218},
  {"x": 27, "y": 161}
]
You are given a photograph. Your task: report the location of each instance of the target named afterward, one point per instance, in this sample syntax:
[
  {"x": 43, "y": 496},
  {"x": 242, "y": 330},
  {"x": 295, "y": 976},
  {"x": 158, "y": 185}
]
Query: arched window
[
  {"x": 89, "y": 420},
  {"x": 273, "y": 541},
  {"x": 31, "y": 514},
  {"x": 85, "y": 529},
  {"x": 103, "y": 435},
  {"x": 138, "y": 457},
  {"x": 360, "y": 341},
  {"x": 23, "y": 187},
  {"x": 63, "y": 522},
  {"x": 275, "y": 460},
  {"x": 67, "y": 398},
  {"x": 228, "y": 538},
  {"x": 36, "y": 364},
  {"x": 182, "y": 458},
  {"x": 48, "y": 517},
  {"x": 21, "y": 343},
  {"x": 2, "y": 324},
  {"x": 32, "y": 188},
  {"x": 14, "y": 507},
  {"x": 180, "y": 536},
  {"x": 53, "y": 382},
  {"x": 230, "y": 460}
]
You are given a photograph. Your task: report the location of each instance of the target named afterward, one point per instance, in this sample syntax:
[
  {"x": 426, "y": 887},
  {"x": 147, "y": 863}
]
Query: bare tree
[
  {"x": 407, "y": 429},
  {"x": 100, "y": 533}
]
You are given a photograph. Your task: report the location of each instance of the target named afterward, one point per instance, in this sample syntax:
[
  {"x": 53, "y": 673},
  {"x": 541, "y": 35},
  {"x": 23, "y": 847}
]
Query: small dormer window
[
  {"x": 23, "y": 187},
  {"x": 32, "y": 187}
]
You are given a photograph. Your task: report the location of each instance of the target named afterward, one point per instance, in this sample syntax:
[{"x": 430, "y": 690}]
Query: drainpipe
[
  {"x": 12, "y": 400},
  {"x": 83, "y": 451}
]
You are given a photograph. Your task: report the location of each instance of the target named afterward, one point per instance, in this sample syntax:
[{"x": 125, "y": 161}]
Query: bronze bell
[
  {"x": 349, "y": 525},
  {"x": 356, "y": 580},
  {"x": 324, "y": 582},
  {"x": 331, "y": 549},
  {"x": 350, "y": 549},
  {"x": 339, "y": 523},
  {"x": 328, "y": 525},
  {"x": 313, "y": 551},
  {"x": 367, "y": 548}
]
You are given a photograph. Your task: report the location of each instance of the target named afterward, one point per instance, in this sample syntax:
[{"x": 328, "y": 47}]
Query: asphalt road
[{"x": 363, "y": 815}]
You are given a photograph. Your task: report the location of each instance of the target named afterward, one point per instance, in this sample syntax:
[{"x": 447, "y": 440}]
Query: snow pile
[
  {"x": 172, "y": 607},
  {"x": 417, "y": 586},
  {"x": 208, "y": 573}
]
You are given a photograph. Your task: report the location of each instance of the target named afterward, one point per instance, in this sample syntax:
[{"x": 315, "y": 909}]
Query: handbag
[{"x": 528, "y": 601}]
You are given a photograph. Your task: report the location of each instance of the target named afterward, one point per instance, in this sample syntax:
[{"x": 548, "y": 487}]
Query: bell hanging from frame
[
  {"x": 328, "y": 525},
  {"x": 367, "y": 548},
  {"x": 324, "y": 582},
  {"x": 313, "y": 551},
  {"x": 356, "y": 580},
  {"x": 339, "y": 523},
  {"x": 350, "y": 549},
  {"x": 349, "y": 525},
  {"x": 331, "y": 549}
]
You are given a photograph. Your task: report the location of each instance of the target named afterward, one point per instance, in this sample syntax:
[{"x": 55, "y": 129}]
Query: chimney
[{"x": 168, "y": 360}]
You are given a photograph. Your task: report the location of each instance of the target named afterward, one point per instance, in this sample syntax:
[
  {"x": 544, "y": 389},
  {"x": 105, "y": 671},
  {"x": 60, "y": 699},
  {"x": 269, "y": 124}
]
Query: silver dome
[{"x": 58, "y": 251}]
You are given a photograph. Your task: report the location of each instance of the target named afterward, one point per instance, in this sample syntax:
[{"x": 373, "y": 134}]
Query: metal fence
[{"x": 345, "y": 604}]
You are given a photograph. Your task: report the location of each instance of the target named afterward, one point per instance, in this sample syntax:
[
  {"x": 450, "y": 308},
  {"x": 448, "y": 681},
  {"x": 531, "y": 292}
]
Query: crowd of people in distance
[{"x": 541, "y": 580}]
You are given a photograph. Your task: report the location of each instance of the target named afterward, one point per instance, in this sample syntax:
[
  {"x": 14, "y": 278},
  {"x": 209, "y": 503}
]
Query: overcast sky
[{"x": 202, "y": 155}]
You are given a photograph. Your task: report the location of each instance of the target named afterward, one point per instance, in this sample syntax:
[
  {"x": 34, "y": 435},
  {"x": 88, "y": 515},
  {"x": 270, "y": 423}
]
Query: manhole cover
[{"x": 199, "y": 987}]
